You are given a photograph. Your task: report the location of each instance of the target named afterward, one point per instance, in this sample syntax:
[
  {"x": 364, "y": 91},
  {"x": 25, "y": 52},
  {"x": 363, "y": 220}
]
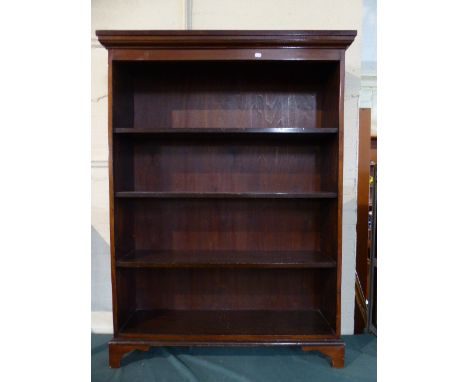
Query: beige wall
[{"x": 216, "y": 14}]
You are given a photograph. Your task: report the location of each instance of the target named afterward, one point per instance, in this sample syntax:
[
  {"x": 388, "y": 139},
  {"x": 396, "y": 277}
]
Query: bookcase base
[{"x": 335, "y": 350}]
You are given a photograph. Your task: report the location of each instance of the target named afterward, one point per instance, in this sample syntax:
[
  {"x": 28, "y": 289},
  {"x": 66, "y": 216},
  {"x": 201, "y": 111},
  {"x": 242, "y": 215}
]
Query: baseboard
[{"x": 101, "y": 323}]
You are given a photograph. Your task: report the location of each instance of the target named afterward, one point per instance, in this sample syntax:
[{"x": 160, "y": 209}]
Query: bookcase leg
[
  {"x": 335, "y": 352},
  {"x": 117, "y": 351}
]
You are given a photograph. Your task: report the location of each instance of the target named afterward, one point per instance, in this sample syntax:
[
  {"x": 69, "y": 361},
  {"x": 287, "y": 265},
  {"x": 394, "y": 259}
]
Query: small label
[{"x": 258, "y": 55}]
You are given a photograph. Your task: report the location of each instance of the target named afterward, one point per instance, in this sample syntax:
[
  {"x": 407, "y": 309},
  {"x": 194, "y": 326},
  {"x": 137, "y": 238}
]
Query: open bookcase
[{"x": 226, "y": 188}]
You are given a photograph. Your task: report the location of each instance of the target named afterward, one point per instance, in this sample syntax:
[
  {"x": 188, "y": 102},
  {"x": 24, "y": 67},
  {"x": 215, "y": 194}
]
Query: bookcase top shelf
[{"x": 225, "y": 39}]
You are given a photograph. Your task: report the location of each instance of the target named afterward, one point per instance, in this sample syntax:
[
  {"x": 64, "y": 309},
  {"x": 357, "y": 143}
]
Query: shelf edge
[{"x": 223, "y": 195}]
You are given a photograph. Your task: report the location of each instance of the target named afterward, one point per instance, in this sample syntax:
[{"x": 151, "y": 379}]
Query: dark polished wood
[
  {"x": 119, "y": 346},
  {"x": 222, "y": 164},
  {"x": 255, "y": 323},
  {"x": 225, "y": 259},
  {"x": 241, "y": 224},
  {"x": 228, "y": 130},
  {"x": 225, "y": 195},
  {"x": 225, "y": 166},
  {"x": 221, "y": 39}
]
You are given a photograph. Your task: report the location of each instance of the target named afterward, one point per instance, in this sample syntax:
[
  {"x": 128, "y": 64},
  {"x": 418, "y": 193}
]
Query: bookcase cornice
[{"x": 154, "y": 39}]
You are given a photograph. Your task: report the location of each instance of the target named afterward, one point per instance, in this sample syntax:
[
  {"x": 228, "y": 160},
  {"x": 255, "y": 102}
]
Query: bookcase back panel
[
  {"x": 227, "y": 164},
  {"x": 225, "y": 224},
  {"x": 245, "y": 94},
  {"x": 240, "y": 289}
]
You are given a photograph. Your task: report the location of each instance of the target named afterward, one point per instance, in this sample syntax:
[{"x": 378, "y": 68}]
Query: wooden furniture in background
[
  {"x": 225, "y": 164},
  {"x": 373, "y": 152},
  {"x": 372, "y": 306},
  {"x": 367, "y": 158}
]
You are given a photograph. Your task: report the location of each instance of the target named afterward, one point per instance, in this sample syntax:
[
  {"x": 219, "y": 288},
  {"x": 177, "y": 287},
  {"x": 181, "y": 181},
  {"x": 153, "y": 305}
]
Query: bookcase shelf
[
  {"x": 257, "y": 324},
  {"x": 225, "y": 173},
  {"x": 225, "y": 259},
  {"x": 271, "y": 130},
  {"x": 225, "y": 195}
]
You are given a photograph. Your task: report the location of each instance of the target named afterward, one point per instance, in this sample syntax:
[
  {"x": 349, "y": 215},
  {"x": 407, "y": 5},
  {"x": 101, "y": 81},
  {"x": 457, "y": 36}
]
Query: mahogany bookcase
[{"x": 225, "y": 166}]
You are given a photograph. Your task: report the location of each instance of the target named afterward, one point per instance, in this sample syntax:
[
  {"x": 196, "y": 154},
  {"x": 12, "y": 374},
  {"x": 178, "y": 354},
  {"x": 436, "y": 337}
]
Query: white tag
[{"x": 258, "y": 55}]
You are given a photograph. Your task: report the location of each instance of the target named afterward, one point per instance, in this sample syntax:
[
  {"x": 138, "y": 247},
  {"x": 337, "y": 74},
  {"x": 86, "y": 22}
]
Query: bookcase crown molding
[{"x": 154, "y": 39}]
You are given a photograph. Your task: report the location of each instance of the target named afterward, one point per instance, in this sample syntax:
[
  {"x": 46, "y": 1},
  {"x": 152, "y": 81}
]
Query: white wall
[
  {"x": 215, "y": 14},
  {"x": 368, "y": 96}
]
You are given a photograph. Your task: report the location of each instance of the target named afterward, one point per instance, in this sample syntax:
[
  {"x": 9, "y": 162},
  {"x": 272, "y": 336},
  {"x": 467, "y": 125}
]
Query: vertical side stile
[{"x": 340, "y": 192}]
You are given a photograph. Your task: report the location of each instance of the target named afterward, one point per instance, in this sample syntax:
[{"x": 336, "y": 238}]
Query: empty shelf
[
  {"x": 226, "y": 195},
  {"x": 226, "y": 259},
  {"x": 227, "y": 322},
  {"x": 270, "y": 130}
]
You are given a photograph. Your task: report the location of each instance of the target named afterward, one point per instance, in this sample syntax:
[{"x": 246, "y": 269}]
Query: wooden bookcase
[{"x": 225, "y": 164}]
